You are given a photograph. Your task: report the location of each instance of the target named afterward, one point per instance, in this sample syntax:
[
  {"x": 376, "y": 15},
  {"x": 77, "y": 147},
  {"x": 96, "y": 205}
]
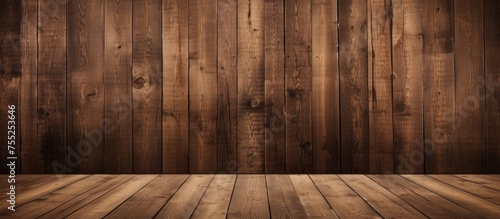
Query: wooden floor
[{"x": 255, "y": 196}]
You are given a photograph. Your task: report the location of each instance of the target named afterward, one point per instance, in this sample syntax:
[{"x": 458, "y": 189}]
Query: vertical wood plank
[
  {"x": 215, "y": 201},
  {"x": 10, "y": 77},
  {"x": 85, "y": 84},
  {"x": 284, "y": 202},
  {"x": 51, "y": 94},
  {"x": 29, "y": 49},
  {"x": 492, "y": 65},
  {"x": 251, "y": 83},
  {"x": 380, "y": 86},
  {"x": 187, "y": 197},
  {"x": 325, "y": 88},
  {"x": 202, "y": 86},
  {"x": 353, "y": 53},
  {"x": 147, "y": 86},
  {"x": 407, "y": 49},
  {"x": 469, "y": 70},
  {"x": 439, "y": 87},
  {"x": 298, "y": 73},
  {"x": 227, "y": 87},
  {"x": 274, "y": 47},
  {"x": 175, "y": 87},
  {"x": 117, "y": 81},
  {"x": 249, "y": 200}
]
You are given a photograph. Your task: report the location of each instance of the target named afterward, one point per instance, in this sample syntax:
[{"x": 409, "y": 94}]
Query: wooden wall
[{"x": 260, "y": 86}]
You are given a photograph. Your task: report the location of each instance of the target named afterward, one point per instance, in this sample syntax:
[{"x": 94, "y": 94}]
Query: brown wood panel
[
  {"x": 482, "y": 180},
  {"x": 251, "y": 87},
  {"x": 284, "y": 202},
  {"x": 175, "y": 121},
  {"x": 473, "y": 203},
  {"x": 147, "y": 86},
  {"x": 274, "y": 67},
  {"x": 184, "y": 202},
  {"x": 439, "y": 87},
  {"x": 47, "y": 187},
  {"x": 351, "y": 206},
  {"x": 10, "y": 78},
  {"x": 215, "y": 201},
  {"x": 325, "y": 88},
  {"x": 298, "y": 82},
  {"x": 80, "y": 201},
  {"x": 104, "y": 204},
  {"x": 407, "y": 86},
  {"x": 227, "y": 87},
  {"x": 313, "y": 201},
  {"x": 429, "y": 203},
  {"x": 383, "y": 201},
  {"x": 150, "y": 199},
  {"x": 85, "y": 58},
  {"x": 52, "y": 94},
  {"x": 353, "y": 56},
  {"x": 492, "y": 84},
  {"x": 117, "y": 81},
  {"x": 249, "y": 200},
  {"x": 469, "y": 70},
  {"x": 43, "y": 204},
  {"x": 477, "y": 189},
  {"x": 28, "y": 111},
  {"x": 380, "y": 86},
  {"x": 202, "y": 86}
]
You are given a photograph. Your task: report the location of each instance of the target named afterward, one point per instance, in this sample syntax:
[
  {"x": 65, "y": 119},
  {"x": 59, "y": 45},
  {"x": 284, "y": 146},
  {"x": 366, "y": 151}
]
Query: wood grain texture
[
  {"x": 334, "y": 189},
  {"x": 215, "y": 201},
  {"x": 251, "y": 87},
  {"x": 312, "y": 200},
  {"x": 482, "y": 180},
  {"x": 51, "y": 92},
  {"x": 266, "y": 86},
  {"x": 10, "y": 78},
  {"x": 253, "y": 196},
  {"x": 29, "y": 78},
  {"x": 384, "y": 202},
  {"x": 189, "y": 195},
  {"x": 471, "y": 202},
  {"x": 407, "y": 93},
  {"x": 104, "y": 204},
  {"x": 45, "y": 188},
  {"x": 477, "y": 189},
  {"x": 80, "y": 201},
  {"x": 150, "y": 199},
  {"x": 202, "y": 86},
  {"x": 117, "y": 81},
  {"x": 469, "y": 70},
  {"x": 439, "y": 87},
  {"x": 249, "y": 200},
  {"x": 147, "y": 86},
  {"x": 325, "y": 88},
  {"x": 45, "y": 203},
  {"x": 435, "y": 206},
  {"x": 175, "y": 120},
  {"x": 284, "y": 202},
  {"x": 274, "y": 67},
  {"x": 380, "y": 86},
  {"x": 298, "y": 82},
  {"x": 492, "y": 84},
  {"x": 227, "y": 87},
  {"x": 85, "y": 84},
  {"x": 353, "y": 58}
]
